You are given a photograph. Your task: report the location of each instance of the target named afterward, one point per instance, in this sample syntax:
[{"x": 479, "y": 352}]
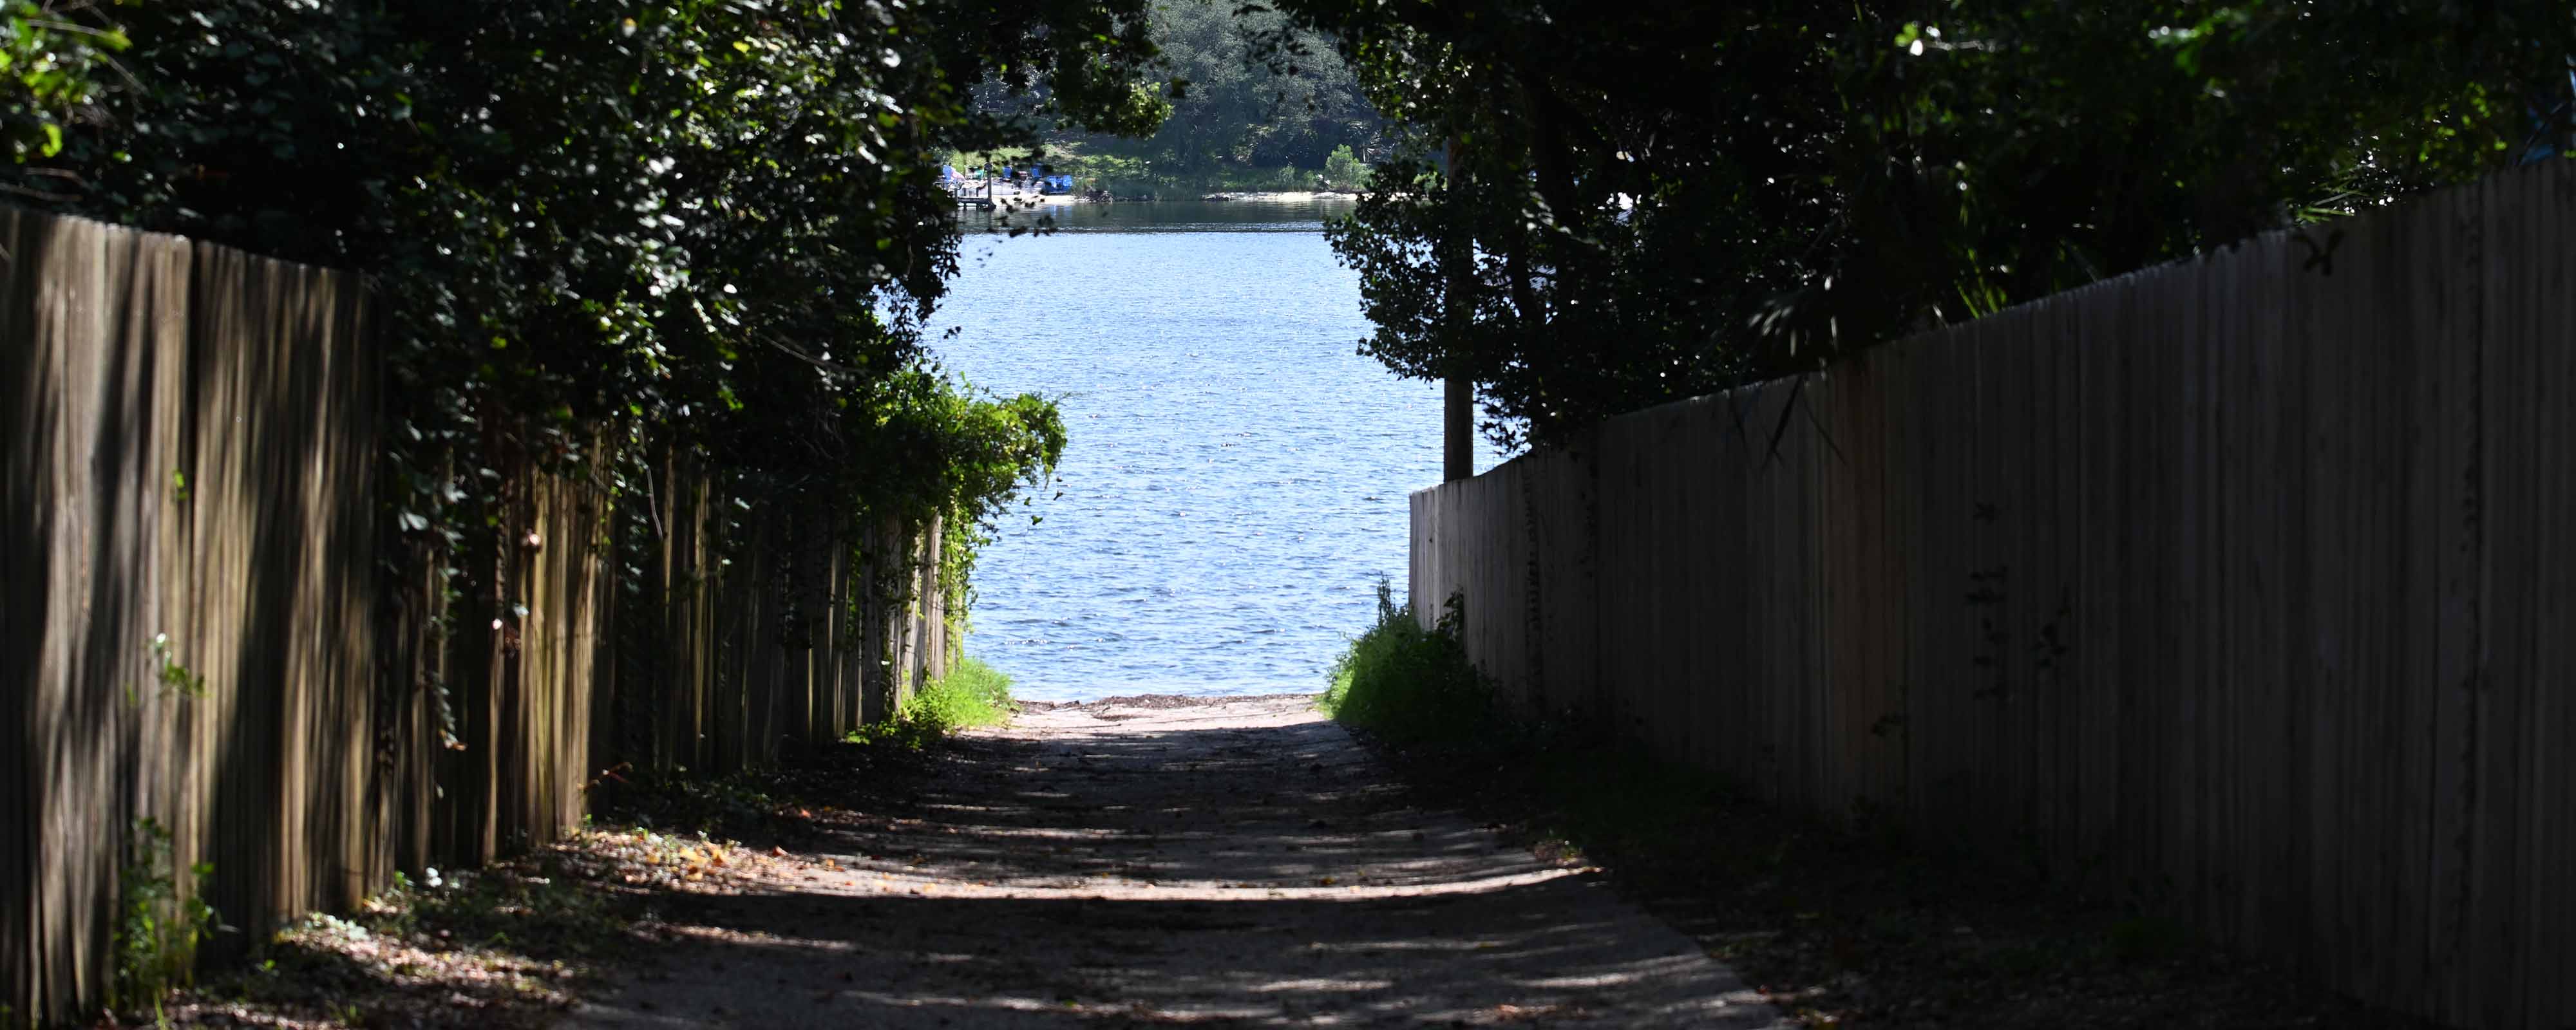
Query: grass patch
[
  {"x": 972, "y": 694},
  {"x": 1843, "y": 923}
]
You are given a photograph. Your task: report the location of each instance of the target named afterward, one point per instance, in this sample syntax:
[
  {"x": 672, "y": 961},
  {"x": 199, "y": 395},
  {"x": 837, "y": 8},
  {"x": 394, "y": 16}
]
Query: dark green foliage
[
  {"x": 650, "y": 244},
  {"x": 936, "y": 447},
  {"x": 56, "y": 60},
  {"x": 1659, "y": 200},
  {"x": 603, "y": 230},
  {"x": 1345, "y": 170},
  {"x": 1409, "y": 684},
  {"x": 1238, "y": 119}
]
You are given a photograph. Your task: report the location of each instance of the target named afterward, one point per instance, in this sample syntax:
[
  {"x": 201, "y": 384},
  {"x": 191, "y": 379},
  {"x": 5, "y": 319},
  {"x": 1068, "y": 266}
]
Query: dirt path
[{"x": 1153, "y": 861}]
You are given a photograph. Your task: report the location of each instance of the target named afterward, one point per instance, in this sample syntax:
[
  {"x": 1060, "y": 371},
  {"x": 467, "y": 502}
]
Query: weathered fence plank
[
  {"x": 189, "y": 461},
  {"x": 2552, "y": 876},
  {"x": 2241, "y": 583}
]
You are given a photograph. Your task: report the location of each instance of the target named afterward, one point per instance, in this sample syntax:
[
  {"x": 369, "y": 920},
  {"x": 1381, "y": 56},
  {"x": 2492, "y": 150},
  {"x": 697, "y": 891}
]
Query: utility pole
[{"x": 1458, "y": 391}]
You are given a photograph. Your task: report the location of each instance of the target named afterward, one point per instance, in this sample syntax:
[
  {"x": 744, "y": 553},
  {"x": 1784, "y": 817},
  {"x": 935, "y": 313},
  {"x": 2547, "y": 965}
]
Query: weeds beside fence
[
  {"x": 1407, "y": 679},
  {"x": 2237, "y": 587}
]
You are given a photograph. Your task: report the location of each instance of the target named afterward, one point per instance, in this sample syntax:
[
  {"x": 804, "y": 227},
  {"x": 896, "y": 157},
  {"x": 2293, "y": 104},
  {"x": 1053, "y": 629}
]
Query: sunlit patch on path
[{"x": 1151, "y": 861}]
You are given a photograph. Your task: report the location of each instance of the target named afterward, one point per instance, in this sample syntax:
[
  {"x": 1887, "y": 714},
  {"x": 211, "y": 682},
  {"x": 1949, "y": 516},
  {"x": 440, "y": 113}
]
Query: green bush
[
  {"x": 1344, "y": 170},
  {"x": 1411, "y": 684},
  {"x": 972, "y": 694}
]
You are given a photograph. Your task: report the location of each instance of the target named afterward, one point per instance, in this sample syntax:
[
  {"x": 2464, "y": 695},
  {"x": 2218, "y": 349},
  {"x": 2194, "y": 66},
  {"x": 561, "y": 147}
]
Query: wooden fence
[
  {"x": 2243, "y": 586},
  {"x": 195, "y": 624}
]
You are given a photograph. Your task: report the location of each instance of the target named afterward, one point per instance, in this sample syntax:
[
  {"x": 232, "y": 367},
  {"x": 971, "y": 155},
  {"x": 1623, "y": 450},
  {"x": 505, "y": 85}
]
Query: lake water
[{"x": 1236, "y": 478}]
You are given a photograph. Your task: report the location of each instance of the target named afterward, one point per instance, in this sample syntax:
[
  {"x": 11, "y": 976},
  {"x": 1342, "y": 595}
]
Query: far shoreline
[
  {"x": 1220, "y": 197},
  {"x": 1281, "y": 197}
]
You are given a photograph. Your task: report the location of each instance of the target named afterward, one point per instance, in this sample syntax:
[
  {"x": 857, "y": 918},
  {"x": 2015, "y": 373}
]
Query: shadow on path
[{"x": 1153, "y": 861}]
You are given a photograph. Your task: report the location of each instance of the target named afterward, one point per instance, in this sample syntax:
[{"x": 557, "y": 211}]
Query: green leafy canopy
[
  {"x": 1657, "y": 200},
  {"x": 599, "y": 229}
]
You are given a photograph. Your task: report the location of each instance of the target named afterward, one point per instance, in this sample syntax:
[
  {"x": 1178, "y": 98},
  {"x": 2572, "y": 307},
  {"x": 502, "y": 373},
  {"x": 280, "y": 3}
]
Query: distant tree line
[{"x": 1240, "y": 114}]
